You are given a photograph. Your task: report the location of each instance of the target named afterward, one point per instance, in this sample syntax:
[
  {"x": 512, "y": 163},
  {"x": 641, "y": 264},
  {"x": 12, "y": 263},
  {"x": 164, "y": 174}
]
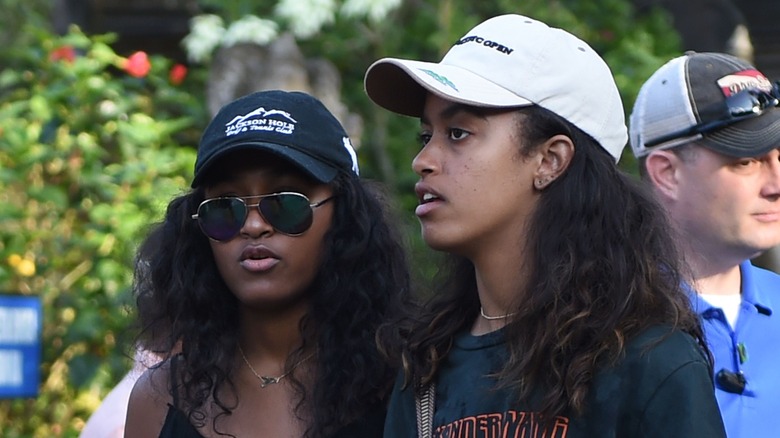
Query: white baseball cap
[{"x": 510, "y": 61}]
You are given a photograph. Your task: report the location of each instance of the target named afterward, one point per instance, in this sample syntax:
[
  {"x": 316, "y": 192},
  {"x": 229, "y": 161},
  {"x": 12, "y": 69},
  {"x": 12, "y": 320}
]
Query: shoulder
[
  {"x": 657, "y": 357},
  {"x": 671, "y": 386},
  {"x": 762, "y": 276},
  {"x": 759, "y": 287},
  {"x": 764, "y": 273},
  {"x": 665, "y": 349},
  {"x": 663, "y": 385},
  {"x": 149, "y": 401},
  {"x": 663, "y": 337},
  {"x": 660, "y": 359}
]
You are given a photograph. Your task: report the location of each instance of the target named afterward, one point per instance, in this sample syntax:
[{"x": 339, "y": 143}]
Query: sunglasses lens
[
  {"x": 221, "y": 219},
  {"x": 744, "y": 103},
  {"x": 289, "y": 213}
]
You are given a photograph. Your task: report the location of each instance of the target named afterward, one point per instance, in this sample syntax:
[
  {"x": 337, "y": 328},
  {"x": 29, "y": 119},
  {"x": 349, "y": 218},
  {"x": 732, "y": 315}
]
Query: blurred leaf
[{"x": 83, "y": 369}]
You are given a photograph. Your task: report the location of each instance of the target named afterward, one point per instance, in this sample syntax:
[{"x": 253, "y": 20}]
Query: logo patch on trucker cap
[
  {"x": 260, "y": 120},
  {"x": 742, "y": 80}
]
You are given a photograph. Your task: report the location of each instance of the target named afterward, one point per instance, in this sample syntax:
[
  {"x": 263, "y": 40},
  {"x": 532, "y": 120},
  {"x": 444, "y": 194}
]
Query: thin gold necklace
[
  {"x": 270, "y": 380},
  {"x": 493, "y": 318}
]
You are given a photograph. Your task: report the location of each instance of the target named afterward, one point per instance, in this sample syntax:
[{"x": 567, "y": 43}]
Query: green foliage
[
  {"x": 89, "y": 158},
  {"x": 18, "y": 13}
]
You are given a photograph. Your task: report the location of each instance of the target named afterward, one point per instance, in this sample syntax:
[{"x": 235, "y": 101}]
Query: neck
[
  {"x": 713, "y": 274},
  {"x": 271, "y": 336},
  {"x": 725, "y": 282},
  {"x": 500, "y": 285}
]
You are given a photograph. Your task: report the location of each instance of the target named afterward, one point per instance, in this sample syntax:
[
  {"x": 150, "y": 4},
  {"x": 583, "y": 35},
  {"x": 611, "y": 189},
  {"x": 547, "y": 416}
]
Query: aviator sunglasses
[
  {"x": 743, "y": 105},
  {"x": 289, "y": 213}
]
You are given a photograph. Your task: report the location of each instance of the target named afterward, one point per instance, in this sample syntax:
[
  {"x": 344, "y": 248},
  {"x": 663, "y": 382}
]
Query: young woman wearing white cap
[
  {"x": 272, "y": 275},
  {"x": 561, "y": 314}
]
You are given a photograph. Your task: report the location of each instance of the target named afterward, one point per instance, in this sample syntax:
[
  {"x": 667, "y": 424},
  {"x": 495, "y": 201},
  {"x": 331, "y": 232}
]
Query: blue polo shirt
[{"x": 755, "y": 412}]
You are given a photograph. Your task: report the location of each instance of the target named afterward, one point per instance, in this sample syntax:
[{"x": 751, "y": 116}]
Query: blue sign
[{"x": 20, "y": 345}]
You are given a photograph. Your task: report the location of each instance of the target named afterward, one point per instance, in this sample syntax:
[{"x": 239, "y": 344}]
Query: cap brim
[
  {"x": 748, "y": 138},
  {"x": 401, "y": 86},
  {"x": 308, "y": 165}
]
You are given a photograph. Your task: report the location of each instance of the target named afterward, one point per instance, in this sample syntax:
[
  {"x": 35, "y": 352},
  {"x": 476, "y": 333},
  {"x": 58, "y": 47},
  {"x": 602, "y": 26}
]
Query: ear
[
  {"x": 554, "y": 157},
  {"x": 662, "y": 170}
]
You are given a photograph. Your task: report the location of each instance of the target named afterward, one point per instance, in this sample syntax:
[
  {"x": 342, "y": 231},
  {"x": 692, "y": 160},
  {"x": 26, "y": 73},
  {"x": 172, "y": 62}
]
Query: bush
[{"x": 91, "y": 153}]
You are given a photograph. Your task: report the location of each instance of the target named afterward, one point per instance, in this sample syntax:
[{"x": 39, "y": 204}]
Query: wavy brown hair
[{"x": 602, "y": 268}]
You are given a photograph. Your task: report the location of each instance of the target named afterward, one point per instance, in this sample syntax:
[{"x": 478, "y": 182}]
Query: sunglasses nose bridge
[{"x": 254, "y": 221}]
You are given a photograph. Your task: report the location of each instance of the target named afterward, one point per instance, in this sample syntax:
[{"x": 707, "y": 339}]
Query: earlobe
[{"x": 556, "y": 154}]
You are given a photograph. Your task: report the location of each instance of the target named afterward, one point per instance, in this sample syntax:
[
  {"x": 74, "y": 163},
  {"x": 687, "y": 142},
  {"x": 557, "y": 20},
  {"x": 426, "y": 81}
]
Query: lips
[
  {"x": 429, "y": 199},
  {"x": 425, "y": 194},
  {"x": 768, "y": 216},
  {"x": 258, "y": 258}
]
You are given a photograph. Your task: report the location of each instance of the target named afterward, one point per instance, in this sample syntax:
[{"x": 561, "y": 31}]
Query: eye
[
  {"x": 424, "y": 137},
  {"x": 458, "y": 134},
  {"x": 746, "y": 165},
  {"x": 746, "y": 162}
]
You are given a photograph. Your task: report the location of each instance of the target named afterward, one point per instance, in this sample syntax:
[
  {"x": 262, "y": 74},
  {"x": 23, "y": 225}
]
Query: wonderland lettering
[{"x": 509, "y": 424}]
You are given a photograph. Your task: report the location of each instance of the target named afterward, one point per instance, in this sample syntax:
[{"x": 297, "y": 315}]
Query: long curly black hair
[
  {"x": 184, "y": 304},
  {"x": 603, "y": 266}
]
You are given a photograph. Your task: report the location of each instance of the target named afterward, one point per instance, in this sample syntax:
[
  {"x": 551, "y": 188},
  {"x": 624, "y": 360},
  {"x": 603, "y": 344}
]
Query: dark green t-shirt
[{"x": 664, "y": 391}]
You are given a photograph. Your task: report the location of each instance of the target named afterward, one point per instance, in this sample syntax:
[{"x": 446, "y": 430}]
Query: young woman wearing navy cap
[{"x": 272, "y": 275}]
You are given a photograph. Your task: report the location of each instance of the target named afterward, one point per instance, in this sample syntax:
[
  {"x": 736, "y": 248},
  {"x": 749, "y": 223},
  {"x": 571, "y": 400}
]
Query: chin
[
  {"x": 764, "y": 242},
  {"x": 440, "y": 243}
]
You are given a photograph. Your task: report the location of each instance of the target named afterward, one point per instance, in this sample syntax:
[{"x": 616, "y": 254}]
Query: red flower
[
  {"x": 137, "y": 65},
  {"x": 177, "y": 74},
  {"x": 64, "y": 53},
  {"x": 607, "y": 34}
]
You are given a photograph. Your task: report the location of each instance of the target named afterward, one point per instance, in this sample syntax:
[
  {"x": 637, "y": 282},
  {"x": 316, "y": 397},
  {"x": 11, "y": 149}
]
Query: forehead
[
  {"x": 439, "y": 108},
  {"x": 700, "y": 158}
]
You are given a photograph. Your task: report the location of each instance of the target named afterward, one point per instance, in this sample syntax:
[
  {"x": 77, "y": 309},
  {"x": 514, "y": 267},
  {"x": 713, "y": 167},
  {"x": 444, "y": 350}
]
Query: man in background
[{"x": 706, "y": 131}]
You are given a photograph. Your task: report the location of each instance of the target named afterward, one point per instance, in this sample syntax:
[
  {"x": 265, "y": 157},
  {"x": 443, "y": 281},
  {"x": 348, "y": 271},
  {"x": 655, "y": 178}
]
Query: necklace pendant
[{"x": 265, "y": 381}]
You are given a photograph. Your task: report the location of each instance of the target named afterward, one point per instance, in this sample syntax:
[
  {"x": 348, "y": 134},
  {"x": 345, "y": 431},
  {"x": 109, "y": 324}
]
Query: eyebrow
[{"x": 455, "y": 108}]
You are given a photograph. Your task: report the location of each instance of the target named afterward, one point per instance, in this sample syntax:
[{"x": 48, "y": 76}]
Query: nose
[
  {"x": 255, "y": 224},
  {"x": 425, "y": 162},
  {"x": 771, "y": 187}
]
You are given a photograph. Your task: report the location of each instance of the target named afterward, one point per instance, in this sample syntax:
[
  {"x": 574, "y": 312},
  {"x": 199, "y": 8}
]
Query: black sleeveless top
[{"x": 177, "y": 425}]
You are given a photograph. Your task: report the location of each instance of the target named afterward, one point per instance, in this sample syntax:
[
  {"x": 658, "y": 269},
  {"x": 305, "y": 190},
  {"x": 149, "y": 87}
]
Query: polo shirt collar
[{"x": 751, "y": 293}]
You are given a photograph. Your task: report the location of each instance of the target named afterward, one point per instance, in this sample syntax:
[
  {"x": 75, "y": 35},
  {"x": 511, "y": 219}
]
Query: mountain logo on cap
[
  {"x": 443, "y": 79},
  {"x": 261, "y": 120}
]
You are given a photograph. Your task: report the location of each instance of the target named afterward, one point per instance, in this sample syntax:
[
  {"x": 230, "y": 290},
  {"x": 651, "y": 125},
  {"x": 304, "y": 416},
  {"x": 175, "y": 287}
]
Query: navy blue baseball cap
[{"x": 293, "y": 125}]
